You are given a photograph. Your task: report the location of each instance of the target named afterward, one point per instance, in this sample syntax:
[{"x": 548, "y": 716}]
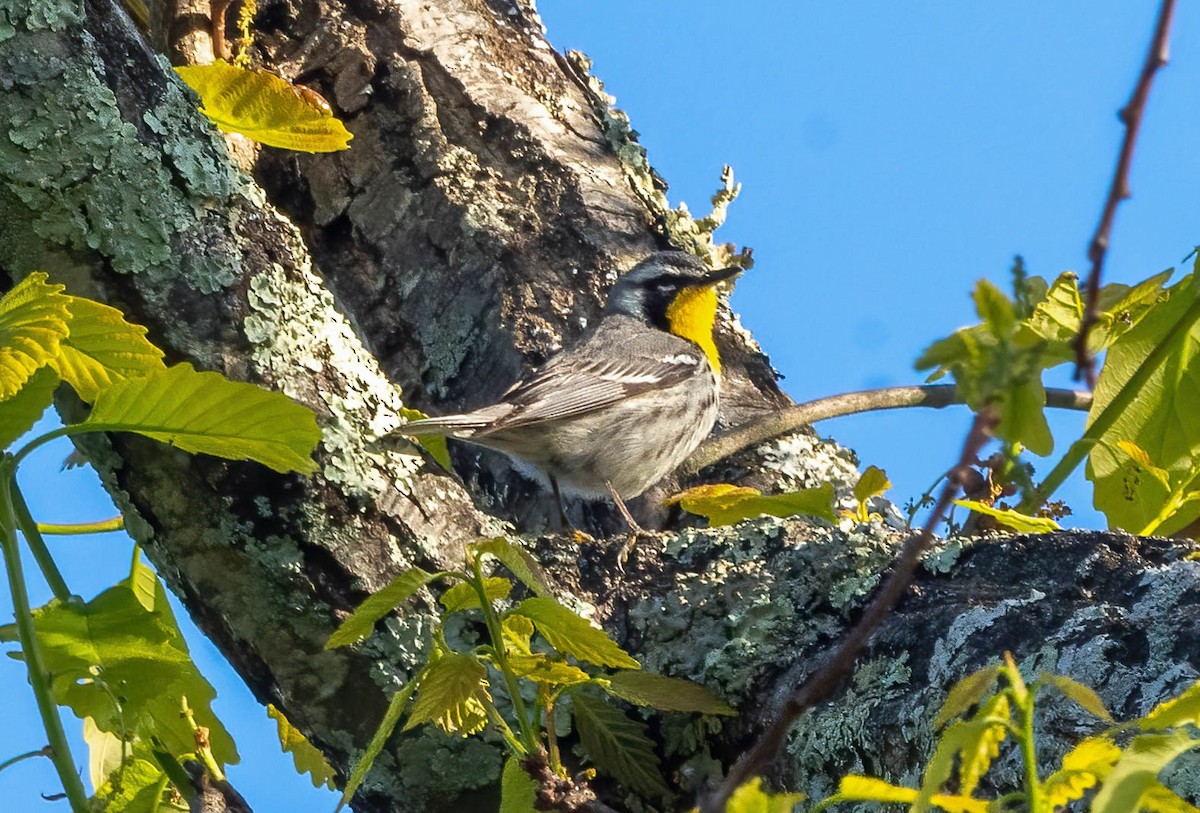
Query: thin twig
[
  {"x": 1131, "y": 117},
  {"x": 780, "y": 423},
  {"x": 827, "y": 679}
]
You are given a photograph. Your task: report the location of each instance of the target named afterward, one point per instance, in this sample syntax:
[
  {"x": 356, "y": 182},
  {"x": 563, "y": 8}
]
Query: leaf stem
[
  {"x": 44, "y": 751},
  {"x": 528, "y": 735},
  {"x": 27, "y": 635},
  {"x": 37, "y": 545},
  {"x": 1033, "y": 785},
  {"x": 102, "y": 526},
  {"x": 551, "y": 737}
]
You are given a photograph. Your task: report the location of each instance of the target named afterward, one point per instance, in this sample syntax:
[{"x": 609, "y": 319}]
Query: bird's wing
[{"x": 574, "y": 385}]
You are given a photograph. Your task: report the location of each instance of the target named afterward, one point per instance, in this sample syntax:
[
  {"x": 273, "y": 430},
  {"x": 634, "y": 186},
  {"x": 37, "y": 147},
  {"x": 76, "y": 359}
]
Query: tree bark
[{"x": 491, "y": 196}]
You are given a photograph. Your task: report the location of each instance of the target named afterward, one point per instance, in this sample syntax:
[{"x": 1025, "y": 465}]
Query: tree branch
[
  {"x": 935, "y": 396},
  {"x": 827, "y": 679},
  {"x": 1131, "y": 116}
]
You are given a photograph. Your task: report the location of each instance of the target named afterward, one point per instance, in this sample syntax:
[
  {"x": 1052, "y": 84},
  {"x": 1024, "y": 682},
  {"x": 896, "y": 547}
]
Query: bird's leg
[
  {"x": 563, "y": 523},
  {"x": 635, "y": 530}
]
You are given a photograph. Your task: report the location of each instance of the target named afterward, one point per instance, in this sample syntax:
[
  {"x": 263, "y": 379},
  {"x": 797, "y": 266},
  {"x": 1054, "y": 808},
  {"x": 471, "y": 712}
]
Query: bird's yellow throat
[{"x": 692, "y": 316}]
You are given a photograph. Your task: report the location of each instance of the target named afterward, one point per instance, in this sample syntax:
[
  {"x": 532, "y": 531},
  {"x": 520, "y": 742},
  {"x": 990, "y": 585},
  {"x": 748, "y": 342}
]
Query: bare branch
[
  {"x": 935, "y": 396},
  {"x": 828, "y": 678},
  {"x": 1131, "y": 116}
]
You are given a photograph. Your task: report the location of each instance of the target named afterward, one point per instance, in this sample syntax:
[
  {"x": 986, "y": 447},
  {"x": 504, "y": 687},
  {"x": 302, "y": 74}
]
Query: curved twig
[
  {"x": 1131, "y": 116},
  {"x": 935, "y": 396}
]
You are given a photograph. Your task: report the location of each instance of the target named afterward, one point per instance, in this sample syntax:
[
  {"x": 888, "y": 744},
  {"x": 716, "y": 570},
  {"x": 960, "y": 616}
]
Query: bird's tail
[{"x": 456, "y": 426}]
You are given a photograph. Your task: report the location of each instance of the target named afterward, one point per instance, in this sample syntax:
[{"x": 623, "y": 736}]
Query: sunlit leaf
[
  {"x": 518, "y": 791},
  {"x": 34, "y": 319},
  {"x": 265, "y": 107},
  {"x": 103, "y": 348},
  {"x": 362, "y": 621},
  {"x": 725, "y": 504},
  {"x": 462, "y": 596},
  {"x": 435, "y": 445},
  {"x": 1137, "y": 770},
  {"x": 981, "y": 743},
  {"x": 1085, "y": 696},
  {"x": 453, "y": 692},
  {"x": 519, "y": 562},
  {"x": 306, "y": 758},
  {"x": 19, "y": 413},
  {"x": 138, "y": 787},
  {"x": 1159, "y": 416},
  {"x": 616, "y": 744},
  {"x": 1180, "y": 710},
  {"x": 1021, "y": 523},
  {"x": 873, "y": 482},
  {"x": 572, "y": 635},
  {"x": 541, "y": 668},
  {"x": 112, "y": 649},
  {"x": 206, "y": 412},
  {"x": 664, "y": 693},
  {"x": 749, "y": 797},
  {"x": 966, "y": 693},
  {"x": 1082, "y": 767}
]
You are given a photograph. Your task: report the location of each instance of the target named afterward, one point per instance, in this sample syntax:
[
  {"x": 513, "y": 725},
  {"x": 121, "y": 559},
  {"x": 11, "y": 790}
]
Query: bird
[{"x": 621, "y": 409}]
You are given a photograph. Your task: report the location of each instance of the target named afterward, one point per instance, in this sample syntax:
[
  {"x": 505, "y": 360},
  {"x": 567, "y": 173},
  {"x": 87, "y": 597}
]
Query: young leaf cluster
[
  {"x": 1116, "y": 770},
  {"x": 540, "y": 655}
]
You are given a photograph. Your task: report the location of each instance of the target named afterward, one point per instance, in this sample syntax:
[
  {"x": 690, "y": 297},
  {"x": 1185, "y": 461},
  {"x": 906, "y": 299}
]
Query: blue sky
[{"x": 891, "y": 154}]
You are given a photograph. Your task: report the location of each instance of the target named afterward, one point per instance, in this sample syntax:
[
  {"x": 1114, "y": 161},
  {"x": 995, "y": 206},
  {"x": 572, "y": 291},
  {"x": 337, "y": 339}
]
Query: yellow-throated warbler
[{"x": 625, "y": 406}]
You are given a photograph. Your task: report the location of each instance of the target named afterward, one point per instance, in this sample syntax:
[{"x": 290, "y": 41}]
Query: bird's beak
[{"x": 722, "y": 274}]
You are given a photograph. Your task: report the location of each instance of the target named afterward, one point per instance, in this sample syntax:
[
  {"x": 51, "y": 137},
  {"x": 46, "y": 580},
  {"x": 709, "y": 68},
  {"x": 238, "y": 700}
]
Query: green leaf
[
  {"x": 112, "y": 649},
  {"x": 664, "y": 693},
  {"x": 452, "y": 695},
  {"x": 435, "y": 445},
  {"x": 206, "y": 412},
  {"x": 998, "y": 364},
  {"x": 518, "y": 791},
  {"x": 1160, "y": 799},
  {"x": 749, "y": 797},
  {"x": 1149, "y": 401},
  {"x": 1083, "y": 695},
  {"x": 168, "y": 726},
  {"x": 1181, "y": 710},
  {"x": 725, "y": 504},
  {"x": 1021, "y": 523},
  {"x": 981, "y": 742},
  {"x": 306, "y": 758},
  {"x": 541, "y": 668},
  {"x": 1082, "y": 767},
  {"x": 855, "y": 788},
  {"x": 519, "y": 562},
  {"x": 106, "y": 752},
  {"x": 138, "y": 788},
  {"x": 966, "y": 693},
  {"x": 572, "y": 635},
  {"x": 1137, "y": 770},
  {"x": 362, "y": 764},
  {"x": 34, "y": 319},
  {"x": 994, "y": 308},
  {"x": 19, "y": 413},
  {"x": 361, "y": 622},
  {"x": 616, "y": 744},
  {"x": 265, "y": 107},
  {"x": 463, "y": 596},
  {"x": 102, "y": 349},
  {"x": 873, "y": 482},
  {"x": 517, "y": 631}
]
